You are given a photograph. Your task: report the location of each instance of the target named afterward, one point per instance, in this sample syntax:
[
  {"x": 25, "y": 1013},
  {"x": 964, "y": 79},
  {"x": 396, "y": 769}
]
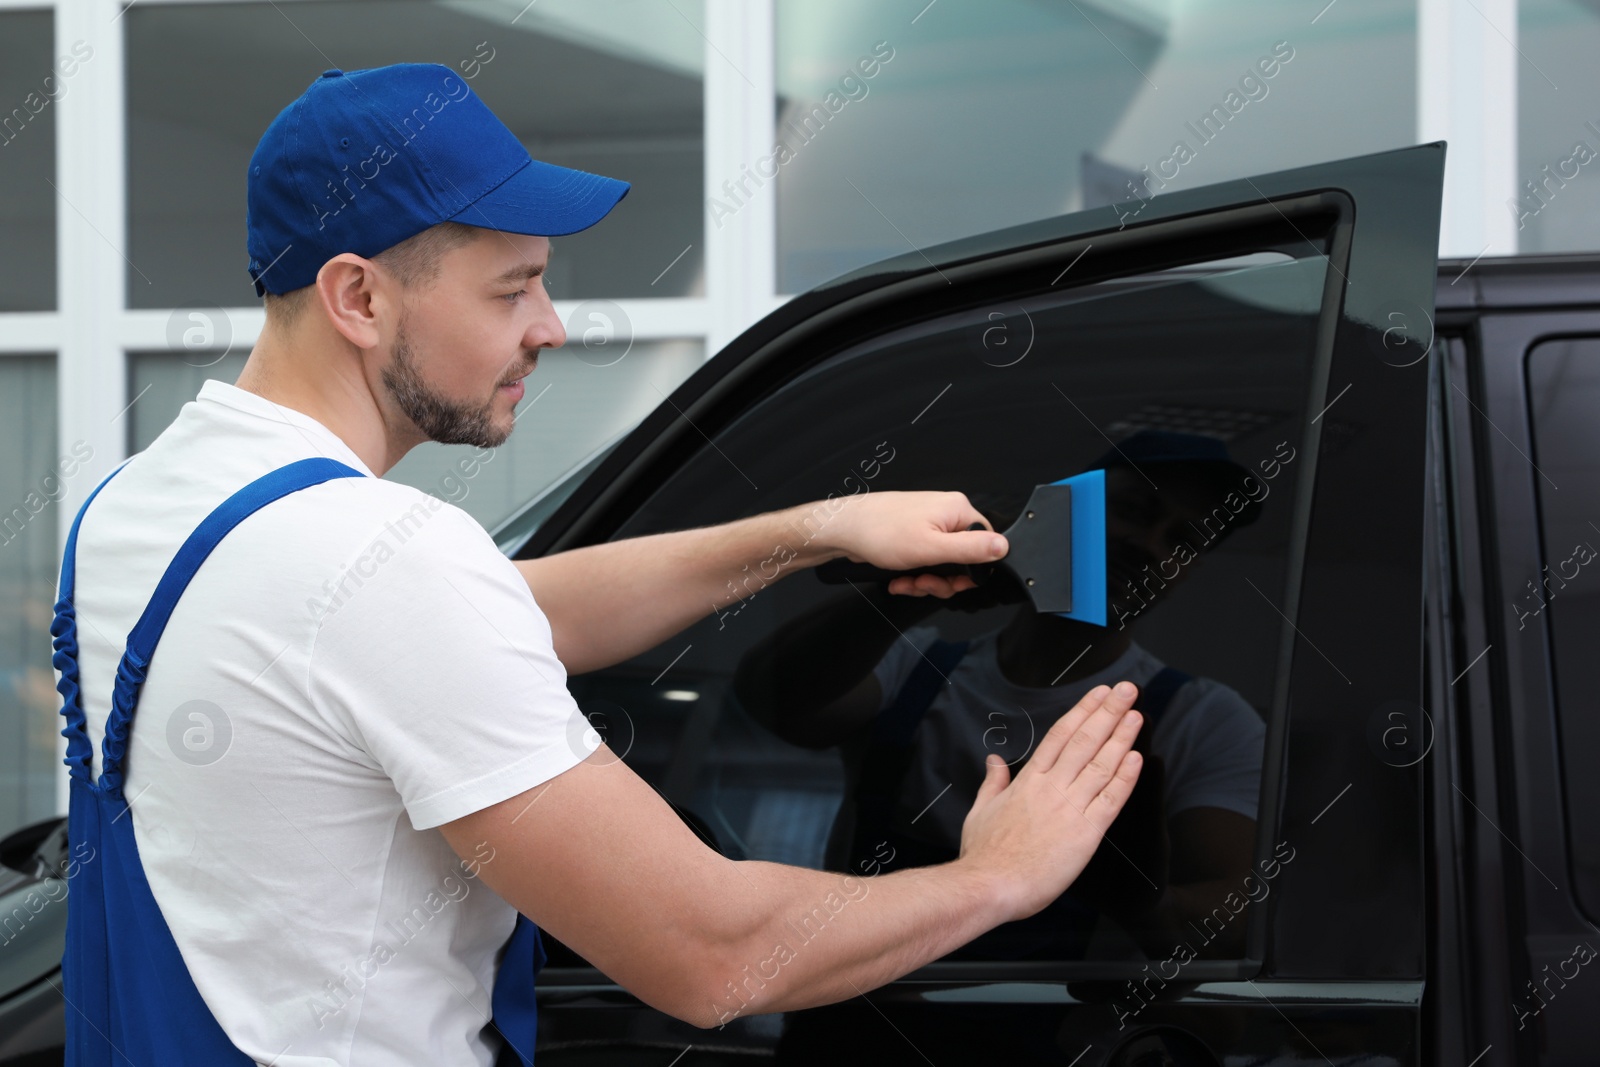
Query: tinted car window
[
  {"x": 1564, "y": 392},
  {"x": 521, "y": 525},
  {"x": 761, "y": 720}
]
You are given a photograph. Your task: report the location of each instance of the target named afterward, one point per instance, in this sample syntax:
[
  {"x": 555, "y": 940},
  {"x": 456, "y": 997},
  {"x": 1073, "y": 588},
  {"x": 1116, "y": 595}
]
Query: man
[{"x": 356, "y": 760}]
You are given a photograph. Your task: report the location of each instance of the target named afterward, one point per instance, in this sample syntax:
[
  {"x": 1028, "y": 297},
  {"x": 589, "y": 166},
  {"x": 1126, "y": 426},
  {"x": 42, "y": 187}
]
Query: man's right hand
[{"x": 1033, "y": 836}]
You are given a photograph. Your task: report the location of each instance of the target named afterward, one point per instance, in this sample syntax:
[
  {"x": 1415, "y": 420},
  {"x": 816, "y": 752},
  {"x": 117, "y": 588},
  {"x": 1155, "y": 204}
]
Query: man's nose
[
  {"x": 547, "y": 329},
  {"x": 1167, "y": 536}
]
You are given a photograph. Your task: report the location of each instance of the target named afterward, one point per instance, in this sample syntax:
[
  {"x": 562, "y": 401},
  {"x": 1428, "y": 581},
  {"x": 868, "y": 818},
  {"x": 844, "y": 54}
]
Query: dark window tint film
[{"x": 766, "y": 721}]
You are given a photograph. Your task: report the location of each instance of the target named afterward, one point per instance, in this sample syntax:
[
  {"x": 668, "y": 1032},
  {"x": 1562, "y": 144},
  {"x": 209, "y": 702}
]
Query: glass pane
[
  {"x": 572, "y": 407},
  {"x": 760, "y": 718},
  {"x": 1556, "y": 209},
  {"x": 32, "y": 482},
  {"x": 1564, "y": 390},
  {"x": 160, "y": 383},
  {"x": 616, "y": 91},
  {"x": 32, "y": 79},
  {"x": 512, "y": 533},
  {"x": 978, "y": 116}
]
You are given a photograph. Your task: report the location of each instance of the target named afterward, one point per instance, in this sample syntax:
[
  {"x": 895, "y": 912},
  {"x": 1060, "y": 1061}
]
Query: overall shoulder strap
[
  {"x": 1157, "y": 694},
  {"x": 147, "y": 632},
  {"x": 896, "y": 724},
  {"x": 64, "y": 646},
  {"x": 888, "y": 753}
]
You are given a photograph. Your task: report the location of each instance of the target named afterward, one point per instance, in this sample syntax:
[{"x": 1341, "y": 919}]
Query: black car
[{"x": 1419, "y": 870}]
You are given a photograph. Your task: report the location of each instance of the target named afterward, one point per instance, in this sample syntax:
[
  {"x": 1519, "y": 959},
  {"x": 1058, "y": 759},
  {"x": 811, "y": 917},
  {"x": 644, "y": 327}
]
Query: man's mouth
[{"x": 516, "y": 383}]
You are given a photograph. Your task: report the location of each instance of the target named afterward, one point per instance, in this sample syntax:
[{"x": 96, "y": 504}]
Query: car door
[
  {"x": 1521, "y": 370},
  {"x": 1250, "y": 364}
]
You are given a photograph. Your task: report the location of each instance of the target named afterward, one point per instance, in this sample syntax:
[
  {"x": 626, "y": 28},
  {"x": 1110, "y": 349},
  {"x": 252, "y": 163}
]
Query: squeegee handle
[{"x": 840, "y": 571}]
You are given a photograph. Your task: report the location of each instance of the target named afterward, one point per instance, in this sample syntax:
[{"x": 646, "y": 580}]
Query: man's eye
[{"x": 511, "y": 298}]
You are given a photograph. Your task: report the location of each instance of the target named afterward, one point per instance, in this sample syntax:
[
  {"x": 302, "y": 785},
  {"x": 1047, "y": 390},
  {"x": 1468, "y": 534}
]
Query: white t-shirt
[
  {"x": 1209, "y": 739},
  {"x": 370, "y": 666}
]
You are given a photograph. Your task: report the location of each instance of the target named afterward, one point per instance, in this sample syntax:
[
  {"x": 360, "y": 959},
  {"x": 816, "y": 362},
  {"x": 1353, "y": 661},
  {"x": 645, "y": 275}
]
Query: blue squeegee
[
  {"x": 1057, "y": 552},
  {"x": 1087, "y": 536}
]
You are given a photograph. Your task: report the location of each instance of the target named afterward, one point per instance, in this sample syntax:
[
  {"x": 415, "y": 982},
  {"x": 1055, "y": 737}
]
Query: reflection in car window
[
  {"x": 842, "y": 727},
  {"x": 1564, "y": 393}
]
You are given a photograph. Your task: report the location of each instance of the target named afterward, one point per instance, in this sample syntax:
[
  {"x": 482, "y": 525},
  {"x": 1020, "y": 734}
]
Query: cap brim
[{"x": 545, "y": 200}]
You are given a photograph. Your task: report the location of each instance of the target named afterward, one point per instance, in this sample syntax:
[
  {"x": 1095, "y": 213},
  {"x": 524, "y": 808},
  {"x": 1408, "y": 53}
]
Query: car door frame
[{"x": 1508, "y": 808}]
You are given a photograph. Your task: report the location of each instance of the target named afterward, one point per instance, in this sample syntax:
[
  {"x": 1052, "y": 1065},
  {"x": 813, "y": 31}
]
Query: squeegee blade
[{"x": 1088, "y": 547}]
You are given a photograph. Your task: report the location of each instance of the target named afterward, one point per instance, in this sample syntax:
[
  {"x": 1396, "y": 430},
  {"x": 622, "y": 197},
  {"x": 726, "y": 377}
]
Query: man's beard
[{"x": 440, "y": 418}]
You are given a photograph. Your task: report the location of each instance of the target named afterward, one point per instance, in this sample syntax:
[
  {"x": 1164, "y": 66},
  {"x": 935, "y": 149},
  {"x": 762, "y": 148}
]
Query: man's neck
[
  {"x": 1033, "y": 649},
  {"x": 342, "y": 402}
]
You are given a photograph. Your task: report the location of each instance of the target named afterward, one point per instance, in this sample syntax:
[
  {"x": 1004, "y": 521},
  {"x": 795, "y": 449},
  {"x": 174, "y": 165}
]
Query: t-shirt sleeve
[
  {"x": 1213, "y": 754},
  {"x": 901, "y": 659},
  {"x": 440, "y": 664}
]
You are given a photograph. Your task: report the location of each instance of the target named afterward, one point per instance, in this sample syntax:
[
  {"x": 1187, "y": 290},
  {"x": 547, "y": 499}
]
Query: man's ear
[{"x": 358, "y": 298}]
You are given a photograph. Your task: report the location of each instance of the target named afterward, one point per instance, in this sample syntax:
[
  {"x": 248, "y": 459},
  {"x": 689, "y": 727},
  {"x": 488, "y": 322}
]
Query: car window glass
[
  {"x": 1190, "y": 392},
  {"x": 515, "y": 531},
  {"x": 1564, "y": 393}
]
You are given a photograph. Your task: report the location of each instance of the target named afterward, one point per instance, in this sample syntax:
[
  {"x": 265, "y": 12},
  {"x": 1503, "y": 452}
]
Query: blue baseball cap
[
  {"x": 1199, "y": 452},
  {"x": 367, "y": 158},
  {"x": 1166, "y": 446}
]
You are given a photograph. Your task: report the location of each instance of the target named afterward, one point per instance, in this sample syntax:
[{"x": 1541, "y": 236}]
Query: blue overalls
[{"x": 130, "y": 999}]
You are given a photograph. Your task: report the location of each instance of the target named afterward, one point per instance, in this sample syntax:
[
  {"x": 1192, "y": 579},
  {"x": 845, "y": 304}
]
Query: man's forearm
[
  {"x": 607, "y": 603},
  {"x": 812, "y": 660},
  {"x": 835, "y": 935}
]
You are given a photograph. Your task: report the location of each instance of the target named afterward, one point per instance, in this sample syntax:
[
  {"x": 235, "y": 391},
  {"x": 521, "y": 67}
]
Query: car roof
[{"x": 1530, "y": 281}]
